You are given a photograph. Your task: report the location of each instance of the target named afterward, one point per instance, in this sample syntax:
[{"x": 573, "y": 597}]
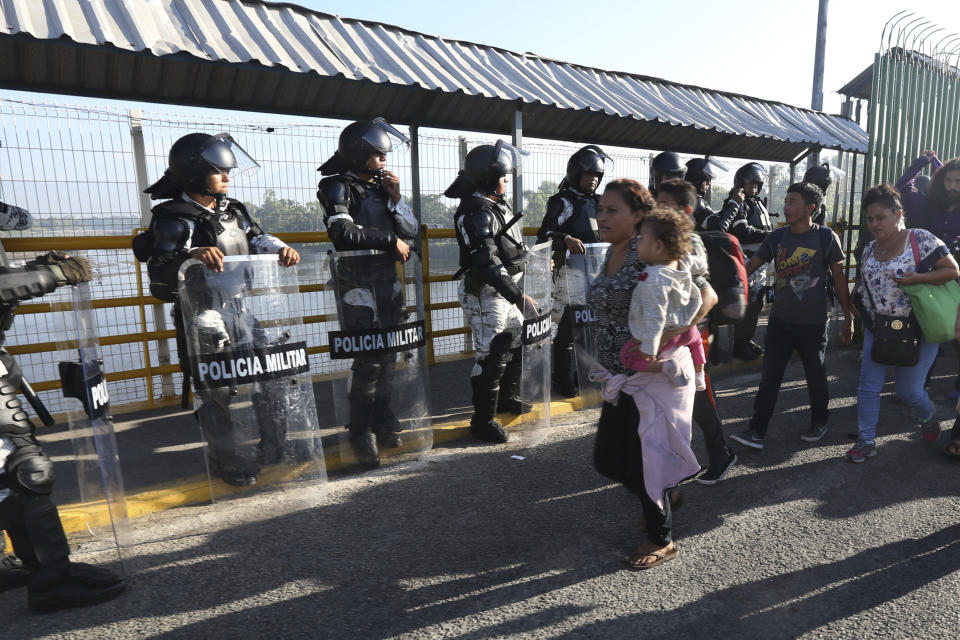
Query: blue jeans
[
  {"x": 909, "y": 386},
  {"x": 783, "y": 338}
]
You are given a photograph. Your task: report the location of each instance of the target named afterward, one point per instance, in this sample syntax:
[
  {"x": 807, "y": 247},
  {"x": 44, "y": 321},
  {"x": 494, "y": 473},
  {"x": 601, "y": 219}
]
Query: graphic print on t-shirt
[{"x": 794, "y": 271}]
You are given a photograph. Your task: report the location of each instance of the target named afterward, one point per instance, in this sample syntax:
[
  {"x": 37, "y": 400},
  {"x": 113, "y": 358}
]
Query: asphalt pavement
[{"x": 472, "y": 542}]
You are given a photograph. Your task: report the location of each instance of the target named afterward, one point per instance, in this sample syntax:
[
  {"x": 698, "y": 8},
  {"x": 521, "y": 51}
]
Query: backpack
[
  {"x": 825, "y": 239},
  {"x": 728, "y": 276}
]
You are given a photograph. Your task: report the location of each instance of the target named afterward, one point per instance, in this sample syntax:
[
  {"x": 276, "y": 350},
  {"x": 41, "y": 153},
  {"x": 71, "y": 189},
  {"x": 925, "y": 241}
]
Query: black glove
[{"x": 66, "y": 269}]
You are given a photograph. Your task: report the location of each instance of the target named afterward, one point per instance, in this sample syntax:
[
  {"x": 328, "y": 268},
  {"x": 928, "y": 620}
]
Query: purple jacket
[{"x": 921, "y": 214}]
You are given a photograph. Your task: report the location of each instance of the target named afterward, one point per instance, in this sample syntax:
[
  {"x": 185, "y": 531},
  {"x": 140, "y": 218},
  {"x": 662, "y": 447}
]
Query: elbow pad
[
  {"x": 334, "y": 196},
  {"x": 18, "y": 284},
  {"x": 493, "y": 273},
  {"x": 550, "y": 227},
  {"x": 506, "y": 287},
  {"x": 347, "y": 236},
  {"x": 727, "y": 215}
]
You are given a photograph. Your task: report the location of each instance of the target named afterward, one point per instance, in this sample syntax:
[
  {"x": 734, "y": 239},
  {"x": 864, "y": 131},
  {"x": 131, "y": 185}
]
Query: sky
[{"x": 761, "y": 49}]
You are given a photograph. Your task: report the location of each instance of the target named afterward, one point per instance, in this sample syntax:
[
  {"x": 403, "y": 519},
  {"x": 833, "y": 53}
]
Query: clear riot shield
[
  {"x": 378, "y": 347},
  {"x": 579, "y": 271},
  {"x": 101, "y": 514},
  {"x": 253, "y": 392},
  {"x": 535, "y": 377}
]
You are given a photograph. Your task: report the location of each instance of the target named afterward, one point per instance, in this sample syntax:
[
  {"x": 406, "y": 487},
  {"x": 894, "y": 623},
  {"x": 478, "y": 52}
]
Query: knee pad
[
  {"x": 35, "y": 474},
  {"x": 366, "y": 369},
  {"x": 500, "y": 346}
]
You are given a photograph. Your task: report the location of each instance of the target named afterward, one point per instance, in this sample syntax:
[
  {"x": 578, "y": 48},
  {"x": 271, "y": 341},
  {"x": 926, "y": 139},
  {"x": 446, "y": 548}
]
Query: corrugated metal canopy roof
[{"x": 282, "y": 58}]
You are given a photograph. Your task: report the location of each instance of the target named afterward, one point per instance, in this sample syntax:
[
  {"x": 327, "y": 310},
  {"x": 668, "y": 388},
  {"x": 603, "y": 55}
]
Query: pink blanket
[{"x": 665, "y": 418}]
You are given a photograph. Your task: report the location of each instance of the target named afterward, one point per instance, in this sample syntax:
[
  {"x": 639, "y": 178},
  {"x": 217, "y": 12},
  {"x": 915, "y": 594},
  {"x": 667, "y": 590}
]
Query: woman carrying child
[{"x": 643, "y": 436}]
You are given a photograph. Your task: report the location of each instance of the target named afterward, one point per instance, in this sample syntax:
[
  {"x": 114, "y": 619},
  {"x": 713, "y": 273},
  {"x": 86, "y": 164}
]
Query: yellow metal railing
[{"x": 143, "y": 300}]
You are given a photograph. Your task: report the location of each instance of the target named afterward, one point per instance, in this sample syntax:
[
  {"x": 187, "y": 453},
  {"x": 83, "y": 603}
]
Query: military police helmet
[
  {"x": 194, "y": 157},
  {"x": 821, "y": 175},
  {"x": 589, "y": 159},
  {"x": 358, "y": 141},
  {"x": 750, "y": 172},
  {"x": 700, "y": 169},
  {"x": 668, "y": 164},
  {"x": 483, "y": 167}
]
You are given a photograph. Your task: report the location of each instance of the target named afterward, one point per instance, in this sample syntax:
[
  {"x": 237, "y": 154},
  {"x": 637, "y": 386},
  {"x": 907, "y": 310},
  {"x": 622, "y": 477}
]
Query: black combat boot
[
  {"x": 80, "y": 585},
  {"x": 234, "y": 469},
  {"x": 385, "y": 423},
  {"x": 563, "y": 361},
  {"x": 364, "y": 447},
  {"x": 12, "y": 573},
  {"x": 54, "y": 583},
  {"x": 483, "y": 424},
  {"x": 509, "y": 400}
]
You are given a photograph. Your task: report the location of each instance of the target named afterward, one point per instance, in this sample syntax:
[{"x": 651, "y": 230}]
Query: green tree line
[{"x": 283, "y": 214}]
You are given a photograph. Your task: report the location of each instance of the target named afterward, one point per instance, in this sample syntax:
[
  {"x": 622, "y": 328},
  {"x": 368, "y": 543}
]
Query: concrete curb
[{"x": 80, "y": 517}]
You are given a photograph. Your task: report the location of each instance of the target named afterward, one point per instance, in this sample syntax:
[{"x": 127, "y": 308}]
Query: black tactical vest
[
  {"x": 368, "y": 206},
  {"x": 509, "y": 240},
  {"x": 582, "y": 225},
  {"x": 757, "y": 215}
]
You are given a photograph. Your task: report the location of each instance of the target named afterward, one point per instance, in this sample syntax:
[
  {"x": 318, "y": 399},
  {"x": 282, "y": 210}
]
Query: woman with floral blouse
[{"x": 888, "y": 262}]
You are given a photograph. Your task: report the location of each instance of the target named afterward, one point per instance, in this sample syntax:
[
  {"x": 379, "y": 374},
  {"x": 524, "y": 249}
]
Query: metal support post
[
  {"x": 467, "y": 337},
  {"x": 517, "y": 140},
  {"x": 415, "y": 172},
  {"x": 159, "y": 319},
  {"x": 816, "y": 99}
]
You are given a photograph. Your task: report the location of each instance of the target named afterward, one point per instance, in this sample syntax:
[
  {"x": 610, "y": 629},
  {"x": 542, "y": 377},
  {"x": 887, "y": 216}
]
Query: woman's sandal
[
  {"x": 953, "y": 449},
  {"x": 635, "y": 561}
]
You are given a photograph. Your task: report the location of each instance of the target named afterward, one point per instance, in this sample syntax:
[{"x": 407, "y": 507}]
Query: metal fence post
[{"x": 159, "y": 321}]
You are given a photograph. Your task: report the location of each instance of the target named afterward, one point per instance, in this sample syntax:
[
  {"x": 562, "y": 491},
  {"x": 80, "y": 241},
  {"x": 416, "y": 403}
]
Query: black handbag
[{"x": 896, "y": 341}]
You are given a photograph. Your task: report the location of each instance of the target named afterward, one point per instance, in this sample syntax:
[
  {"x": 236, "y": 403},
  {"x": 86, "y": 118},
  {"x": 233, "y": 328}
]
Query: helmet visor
[
  {"x": 394, "y": 137},
  {"x": 837, "y": 173},
  {"x": 224, "y": 154},
  {"x": 510, "y": 155},
  {"x": 595, "y": 161},
  {"x": 716, "y": 163}
]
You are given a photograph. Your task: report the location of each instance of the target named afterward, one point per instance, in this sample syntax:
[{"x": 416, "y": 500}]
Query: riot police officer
[
  {"x": 363, "y": 209},
  {"x": 492, "y": 253},
  {"x": 27, "y": 512},
  {"x": 570, "y": 223},
  {"x": 197, "y": 220},
  {"x": 745, "y": 216},
  {"x": 666, "y": 166},
  {"x": 822, "y": 176},
  {"x": 701, "y": 172}
]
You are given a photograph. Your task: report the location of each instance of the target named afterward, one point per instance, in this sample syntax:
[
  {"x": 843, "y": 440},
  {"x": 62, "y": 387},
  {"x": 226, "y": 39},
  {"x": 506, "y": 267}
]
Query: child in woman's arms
[{"x": 665, "y": 299}]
